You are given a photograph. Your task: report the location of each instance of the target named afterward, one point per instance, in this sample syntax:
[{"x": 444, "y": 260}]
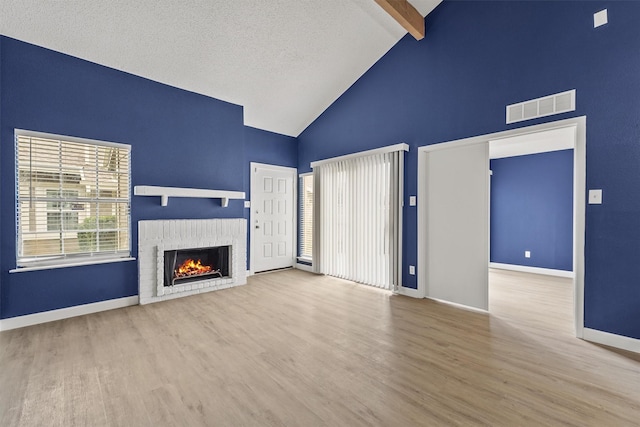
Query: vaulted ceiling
[{"x": 285, "y": 61}]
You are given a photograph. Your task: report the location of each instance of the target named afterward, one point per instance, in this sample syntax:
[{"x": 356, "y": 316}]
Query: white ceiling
[
  {"x": 533, "y": 143},
  {"x": 285, "y": 61}
]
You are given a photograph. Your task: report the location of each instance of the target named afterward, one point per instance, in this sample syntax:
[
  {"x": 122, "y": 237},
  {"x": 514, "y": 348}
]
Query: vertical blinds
[
  {"x": 73, "y": 199},
  {"x": 358, "y": 227}
]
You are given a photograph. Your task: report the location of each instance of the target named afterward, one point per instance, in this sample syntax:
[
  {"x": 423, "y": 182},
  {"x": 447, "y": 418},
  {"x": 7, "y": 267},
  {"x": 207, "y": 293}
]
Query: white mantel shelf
[{"x": 165, "y": 192}]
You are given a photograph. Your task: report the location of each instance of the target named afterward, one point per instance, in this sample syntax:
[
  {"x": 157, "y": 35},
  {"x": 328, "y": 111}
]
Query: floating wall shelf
[{"x": 165, "y": 192}]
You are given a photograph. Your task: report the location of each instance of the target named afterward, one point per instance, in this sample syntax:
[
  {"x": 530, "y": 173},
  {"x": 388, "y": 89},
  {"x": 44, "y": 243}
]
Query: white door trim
[
  {"x": 252, "y": 221},
  {"x": 579, "y": 190}
]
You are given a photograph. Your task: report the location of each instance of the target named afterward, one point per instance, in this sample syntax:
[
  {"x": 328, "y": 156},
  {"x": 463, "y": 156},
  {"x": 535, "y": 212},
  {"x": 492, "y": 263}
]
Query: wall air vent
[{"x": 545, "y": 106}]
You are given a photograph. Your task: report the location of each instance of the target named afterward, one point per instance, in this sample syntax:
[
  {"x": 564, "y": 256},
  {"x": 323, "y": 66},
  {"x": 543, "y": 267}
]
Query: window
[
  {"x": 73, "y": 199},
  {"x": 306, "y": 215}
]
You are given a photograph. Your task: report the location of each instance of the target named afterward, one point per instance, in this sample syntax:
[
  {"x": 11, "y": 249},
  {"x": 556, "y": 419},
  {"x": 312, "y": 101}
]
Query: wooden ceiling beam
[{"x": 406, "y": 15}]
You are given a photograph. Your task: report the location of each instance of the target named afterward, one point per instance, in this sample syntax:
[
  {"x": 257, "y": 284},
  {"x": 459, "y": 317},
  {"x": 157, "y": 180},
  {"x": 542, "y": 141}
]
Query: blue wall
[
  {"x": 532, "y": 209},
  {"x": 477, "y": 57},
  {"x": 178, "y": 138}
]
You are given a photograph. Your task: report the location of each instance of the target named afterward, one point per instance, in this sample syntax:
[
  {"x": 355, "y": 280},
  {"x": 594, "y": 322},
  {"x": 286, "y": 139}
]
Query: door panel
[
  {"x": 458, "y": 224},
  {"x": 273, "y": 217}
]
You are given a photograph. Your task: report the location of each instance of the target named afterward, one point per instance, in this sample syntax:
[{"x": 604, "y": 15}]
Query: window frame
[{"x": 67, "y": 259}]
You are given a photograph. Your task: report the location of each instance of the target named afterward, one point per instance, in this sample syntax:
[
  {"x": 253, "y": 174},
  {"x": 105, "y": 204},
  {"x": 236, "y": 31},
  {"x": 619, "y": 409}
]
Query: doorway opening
[
  {"x": 442, "y": 233},
  {"x": 531, "y": 228}
]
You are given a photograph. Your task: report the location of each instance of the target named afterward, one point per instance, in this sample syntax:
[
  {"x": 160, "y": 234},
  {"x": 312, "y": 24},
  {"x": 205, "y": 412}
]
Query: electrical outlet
[
  {"x": 247, "y": 203},
  {"x": 412, "y": 200},
  {"x": 527, "y": 254},
  {"x": 412, "y": 270}
]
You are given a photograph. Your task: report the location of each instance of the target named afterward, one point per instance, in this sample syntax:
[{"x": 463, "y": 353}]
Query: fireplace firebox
[{"x": 183, "y": 266}]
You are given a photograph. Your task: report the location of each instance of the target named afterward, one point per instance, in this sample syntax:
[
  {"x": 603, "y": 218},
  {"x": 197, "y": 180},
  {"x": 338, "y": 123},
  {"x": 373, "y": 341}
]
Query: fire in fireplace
[
  {"x": 192, "y": 268},
  {"x": 189, "y": 265}
]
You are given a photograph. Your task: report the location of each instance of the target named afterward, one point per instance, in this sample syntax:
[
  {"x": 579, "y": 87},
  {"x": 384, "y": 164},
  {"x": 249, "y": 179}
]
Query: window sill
[
  {"x": 71, "y": 264},
  {"x": 305, "y": 259}
]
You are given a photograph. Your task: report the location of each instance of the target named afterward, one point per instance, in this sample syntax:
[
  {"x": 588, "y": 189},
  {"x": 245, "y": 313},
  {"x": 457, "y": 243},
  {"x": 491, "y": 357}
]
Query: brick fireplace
[{"x": 159, "y": 241}]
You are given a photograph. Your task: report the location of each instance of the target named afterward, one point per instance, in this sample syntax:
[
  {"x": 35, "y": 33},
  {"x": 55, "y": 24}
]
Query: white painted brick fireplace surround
[{"x": 156, "y": 237}]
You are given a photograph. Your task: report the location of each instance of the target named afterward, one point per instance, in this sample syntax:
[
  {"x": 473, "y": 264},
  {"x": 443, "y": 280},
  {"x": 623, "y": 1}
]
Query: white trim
[
  {"x": 65, "y": 313},
  {"x": 53, "y": 136},
  {"x": 304, "y": 267},
  {"x": 400, "y": 238},
  {"x": 252, "y": 186},
  {"x": 71, "y": 264},
  {"x": 300, "y": 175},
  {"x": 579, "y": 190},
  {"x": 579, "y": 216},
  {"x": 534, "y": 270},
  {"x": 460, "y": 306},
  {"x": 388, "y": 149},
  {"x": 249, "y": 273},
  {"x": 274, "y": 167},
  {"x": 409, "y": 292},
  {"x": 612, "y": 340}
]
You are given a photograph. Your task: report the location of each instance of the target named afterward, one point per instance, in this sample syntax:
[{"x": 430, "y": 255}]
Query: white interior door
[
  {"x": 458, "y": 224},
  {"x": 273, "y": 210}
]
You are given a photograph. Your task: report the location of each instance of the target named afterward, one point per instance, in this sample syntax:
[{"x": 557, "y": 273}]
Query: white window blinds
[
  {"x": 358, "y": 217},
  {"x": 72, "y": 199}
]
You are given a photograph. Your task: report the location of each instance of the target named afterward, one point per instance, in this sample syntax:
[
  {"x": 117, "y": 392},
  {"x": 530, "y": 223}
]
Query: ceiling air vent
[{"x": 545, "y": 106}]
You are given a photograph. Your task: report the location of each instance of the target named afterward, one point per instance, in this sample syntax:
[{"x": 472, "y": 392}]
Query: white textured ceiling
[{"x": 285, "y": 61}]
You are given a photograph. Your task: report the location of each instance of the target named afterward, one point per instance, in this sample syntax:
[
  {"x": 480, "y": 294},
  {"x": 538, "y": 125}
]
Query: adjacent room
[{"x": 322, "y": 212}]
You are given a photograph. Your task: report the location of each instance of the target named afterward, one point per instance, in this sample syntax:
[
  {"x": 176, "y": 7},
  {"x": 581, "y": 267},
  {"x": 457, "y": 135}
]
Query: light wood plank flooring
[{"x": 295, "y": 349}]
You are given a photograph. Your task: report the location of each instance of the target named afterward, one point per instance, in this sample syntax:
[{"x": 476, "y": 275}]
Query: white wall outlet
[
  {"x": 412, "y": 270},
  {"x": 600, "y": 18},
  {"x": 527, "y": 254},
  {"x": 412, "y": 200},
  {"x": 247, "y": 203},
  {"x": 595, "y": 197}
]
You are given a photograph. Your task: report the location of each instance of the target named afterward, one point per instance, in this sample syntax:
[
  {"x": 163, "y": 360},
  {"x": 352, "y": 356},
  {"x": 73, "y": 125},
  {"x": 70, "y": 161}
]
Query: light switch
[
  {"x": 527, "y": 254},
  {"x": 595, "y": 197},
  {"x": 412, "y": 270},
  {"x": 247, "y": 203},
  {"x": 412, "y": 200},
  {"x": 600, "y": 18}
]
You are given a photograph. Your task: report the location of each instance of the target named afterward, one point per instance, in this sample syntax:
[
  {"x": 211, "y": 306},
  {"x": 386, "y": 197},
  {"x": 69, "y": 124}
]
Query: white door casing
[
  {"x": 579, "y": 201},
  {"x": 273, "y": 217}
]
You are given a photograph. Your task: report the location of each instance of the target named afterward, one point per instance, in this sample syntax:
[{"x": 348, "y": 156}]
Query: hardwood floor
[{"x": 296, "y": 349}]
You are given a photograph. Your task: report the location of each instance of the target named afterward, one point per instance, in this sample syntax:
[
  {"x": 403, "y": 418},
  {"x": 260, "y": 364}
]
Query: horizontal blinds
[{"x": 73, "y": 199}]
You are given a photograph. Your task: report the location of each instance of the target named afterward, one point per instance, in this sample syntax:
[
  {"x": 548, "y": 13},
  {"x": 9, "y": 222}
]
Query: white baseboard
[
  {"x": 612, "y": 340},
  {"x": 409, "y": 292},
  {"x": 534, "y": 270},
  {"x": 249, "y": 273},
  {"x": 65, "y": 313},
  {"x": 304, "y": 267},
  {"x": 461, "y": 306}
]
